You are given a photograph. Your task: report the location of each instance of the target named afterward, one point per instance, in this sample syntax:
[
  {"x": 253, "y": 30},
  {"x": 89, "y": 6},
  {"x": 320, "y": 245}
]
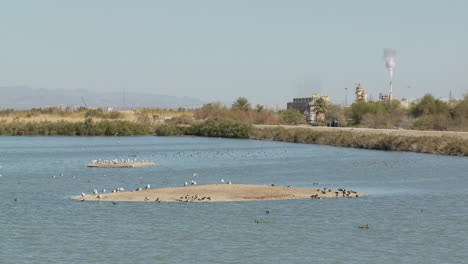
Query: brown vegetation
[{"x": 424, "y": 144}]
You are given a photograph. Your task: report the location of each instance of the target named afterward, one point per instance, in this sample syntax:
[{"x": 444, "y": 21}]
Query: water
[{"x": 417, "y": 209}]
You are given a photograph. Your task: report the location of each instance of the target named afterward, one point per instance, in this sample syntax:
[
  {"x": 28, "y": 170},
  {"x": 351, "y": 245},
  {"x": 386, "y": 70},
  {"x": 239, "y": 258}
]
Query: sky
[{"x": 217, "y": 50}]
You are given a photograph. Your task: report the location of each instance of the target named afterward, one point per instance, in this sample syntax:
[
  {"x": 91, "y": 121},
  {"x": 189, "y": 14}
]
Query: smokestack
[{"x": 389, "y": 57}]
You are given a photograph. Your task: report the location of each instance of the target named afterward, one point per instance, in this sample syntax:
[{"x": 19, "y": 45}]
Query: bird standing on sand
[
  {"x": 185, "y": 184},
  {"x": 222, "y": 181}
]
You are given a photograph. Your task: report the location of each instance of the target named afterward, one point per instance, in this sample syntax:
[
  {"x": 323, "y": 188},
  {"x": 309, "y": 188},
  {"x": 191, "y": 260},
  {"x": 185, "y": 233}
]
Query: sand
[
  {"x": 218, "y": 193},
  {"x": 120, "y": 164}
]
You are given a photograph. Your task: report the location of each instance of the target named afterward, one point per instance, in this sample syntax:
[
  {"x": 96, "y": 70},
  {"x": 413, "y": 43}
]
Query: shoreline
[
  {"x": 386, "y": 131},
  {"x": 370, "y": 139},
  {"x": 219, "y": 193}
]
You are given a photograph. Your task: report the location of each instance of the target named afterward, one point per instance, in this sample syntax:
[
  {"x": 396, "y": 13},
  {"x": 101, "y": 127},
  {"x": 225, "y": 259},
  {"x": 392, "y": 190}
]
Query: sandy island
[
  {"x": 218, "y": 193},
  {"x": 120, "y": 164}
]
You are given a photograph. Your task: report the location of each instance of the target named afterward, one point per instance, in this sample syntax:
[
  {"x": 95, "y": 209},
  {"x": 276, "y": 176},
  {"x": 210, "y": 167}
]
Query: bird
[
  {"x": 185, "y": 184},
  {"x": 195, "y": 174},
  {"x": 103, "y": 190},
  {"x": 95, "y": 191},
  {"x": 148, "y": 186},
  {"x": 222, "y": 181},
  {"x": 83, "y": 194},
  {"x": 364, "y": 227}
]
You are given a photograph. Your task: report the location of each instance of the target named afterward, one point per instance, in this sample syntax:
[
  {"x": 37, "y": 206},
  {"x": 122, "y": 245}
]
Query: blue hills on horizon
[{"x": 22, "y": 97}]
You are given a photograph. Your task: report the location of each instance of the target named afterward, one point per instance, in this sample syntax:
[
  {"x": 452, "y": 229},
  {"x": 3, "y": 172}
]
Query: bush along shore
[
  {"x": 232, "y": 129},
  {"x": 422, "y": 144},
  {"x": 86, "y": 128}
]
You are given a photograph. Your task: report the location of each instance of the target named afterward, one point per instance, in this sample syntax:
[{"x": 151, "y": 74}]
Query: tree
[
  {"x": 291, "y": 117},
  {"x": 359, "y": 109},
  {"x": 320, "y": 107},
  {"x": 242, "y": 104},
  {"x": 428, "y": 105},
  {"x": 259, "y": 108}
]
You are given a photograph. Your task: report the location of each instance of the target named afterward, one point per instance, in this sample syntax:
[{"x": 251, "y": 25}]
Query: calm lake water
[{"x": 417, "y": 207}]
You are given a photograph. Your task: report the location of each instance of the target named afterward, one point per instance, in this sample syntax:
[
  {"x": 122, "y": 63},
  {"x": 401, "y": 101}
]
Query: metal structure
[
  {"x": 390, "y": 62},
  {"x": 361, "y": 95}
]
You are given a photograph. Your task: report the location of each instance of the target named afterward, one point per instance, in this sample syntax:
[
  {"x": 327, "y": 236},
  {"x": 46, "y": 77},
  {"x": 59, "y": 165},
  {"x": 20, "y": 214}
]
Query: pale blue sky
[{"x": 268, "y": 51}]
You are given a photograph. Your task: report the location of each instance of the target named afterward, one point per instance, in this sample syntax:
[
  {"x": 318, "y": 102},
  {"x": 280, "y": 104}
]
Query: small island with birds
[
  {"x": 217, "y": 193},
  {"x": 128, "y": 163}
]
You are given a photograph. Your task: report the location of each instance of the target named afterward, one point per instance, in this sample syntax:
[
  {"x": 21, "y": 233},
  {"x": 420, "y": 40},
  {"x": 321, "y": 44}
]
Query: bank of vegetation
[
  {"x": 423, "y": 144},
  {"x": 233, "y": 129},
  {"x": 427, "y": 113},
  {"x": 217, "y": 120},
  {"x": 85, "y": 128}
]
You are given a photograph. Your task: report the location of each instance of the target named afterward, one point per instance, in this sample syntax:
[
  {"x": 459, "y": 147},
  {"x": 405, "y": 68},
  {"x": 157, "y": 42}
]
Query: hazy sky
[{"x": 217, "y": 50}]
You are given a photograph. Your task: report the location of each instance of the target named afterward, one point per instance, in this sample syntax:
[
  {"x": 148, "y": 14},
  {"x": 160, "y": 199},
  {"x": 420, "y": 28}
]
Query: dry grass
[{"x": 75, "y": 116}]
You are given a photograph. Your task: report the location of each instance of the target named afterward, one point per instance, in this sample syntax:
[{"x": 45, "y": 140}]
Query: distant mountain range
[{"x": 26, "y": 98}]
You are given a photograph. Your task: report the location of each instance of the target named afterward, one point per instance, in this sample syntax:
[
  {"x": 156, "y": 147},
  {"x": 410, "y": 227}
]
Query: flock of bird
[
  {"x": 116, "y": 190},
  {"x": 115, "y": 161}
]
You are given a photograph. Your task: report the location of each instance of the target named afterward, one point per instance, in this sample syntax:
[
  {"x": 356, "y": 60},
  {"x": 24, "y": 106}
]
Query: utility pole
[
  {"x": 84, "y": 102},
  {"x": 123, "y": 100},
  {"x": 346, "y": 96}
]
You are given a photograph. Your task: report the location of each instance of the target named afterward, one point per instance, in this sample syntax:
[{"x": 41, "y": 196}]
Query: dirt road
[{"x": 400, "y": 132}]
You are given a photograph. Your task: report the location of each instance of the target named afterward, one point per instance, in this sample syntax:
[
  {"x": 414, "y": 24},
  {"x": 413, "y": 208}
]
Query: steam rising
[{"x": 389, "y": 57}]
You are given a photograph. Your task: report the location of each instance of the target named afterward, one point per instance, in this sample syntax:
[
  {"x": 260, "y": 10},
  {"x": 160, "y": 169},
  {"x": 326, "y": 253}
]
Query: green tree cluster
[{"x": 291, "y": 117}]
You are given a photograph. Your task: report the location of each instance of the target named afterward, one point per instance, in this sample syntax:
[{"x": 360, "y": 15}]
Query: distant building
[
  {"x": 306, "y": 106},
  {"x": 405, "y": 103},
  {"x": 384, "y": 97},
  {"x": 361, "y": 95}
]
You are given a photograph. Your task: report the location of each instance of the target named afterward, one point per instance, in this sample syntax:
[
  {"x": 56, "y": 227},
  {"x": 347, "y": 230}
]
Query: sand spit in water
[
  {"x": 120, "y": 164},
  {"x": 219, "y": 193}
]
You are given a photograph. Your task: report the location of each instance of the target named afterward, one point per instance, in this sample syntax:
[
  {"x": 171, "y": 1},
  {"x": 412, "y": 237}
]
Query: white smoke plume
[{"x": 389, "y": 57}]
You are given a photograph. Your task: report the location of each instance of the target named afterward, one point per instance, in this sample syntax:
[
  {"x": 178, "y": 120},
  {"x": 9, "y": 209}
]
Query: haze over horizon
[{"x": 267, "y": 51}]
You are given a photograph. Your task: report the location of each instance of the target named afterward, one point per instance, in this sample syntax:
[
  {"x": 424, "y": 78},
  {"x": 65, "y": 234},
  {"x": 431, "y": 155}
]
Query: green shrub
[
  {"x": 291, "y": 117},
  {"x": 169, "y": 130},
  {"x": 222, "y": 128}
]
